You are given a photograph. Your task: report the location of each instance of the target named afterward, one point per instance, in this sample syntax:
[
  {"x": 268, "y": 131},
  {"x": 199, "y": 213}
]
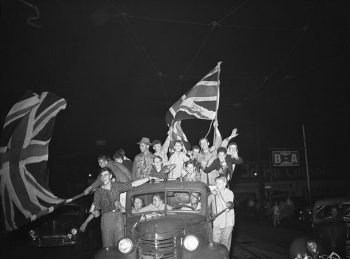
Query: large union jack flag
[
  {"x": 201, "y": 102},
  {"x": 23, "y": 157}
]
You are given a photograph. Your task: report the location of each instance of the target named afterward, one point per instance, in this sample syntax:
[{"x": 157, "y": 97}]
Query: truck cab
[{"x": 174, "y": 221}]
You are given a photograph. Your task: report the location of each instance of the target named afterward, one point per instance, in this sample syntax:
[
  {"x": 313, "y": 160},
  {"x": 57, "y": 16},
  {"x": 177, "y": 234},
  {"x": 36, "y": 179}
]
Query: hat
[
  {"x": 154, "y": 142},
  {"x": 145, "y": 141}
]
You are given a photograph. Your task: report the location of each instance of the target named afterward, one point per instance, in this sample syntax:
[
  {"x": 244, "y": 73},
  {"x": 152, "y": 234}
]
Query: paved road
[
  {"x": 250, "y": 240},
  {"x": 254, "y": 240}
]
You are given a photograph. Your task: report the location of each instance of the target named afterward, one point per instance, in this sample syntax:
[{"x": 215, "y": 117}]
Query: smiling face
[
  {"x": 157, "y": 162},
  {"x": 178, "y": 146},
  {"x": 221, "y": 156},
  {"x": 105, "y": 177},
  {"x": 204, "y": 144},
  {"x": 143, "y": 147}
]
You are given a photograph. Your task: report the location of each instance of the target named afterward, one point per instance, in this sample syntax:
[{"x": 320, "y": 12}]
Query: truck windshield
[{"x": 171, "y": 200}]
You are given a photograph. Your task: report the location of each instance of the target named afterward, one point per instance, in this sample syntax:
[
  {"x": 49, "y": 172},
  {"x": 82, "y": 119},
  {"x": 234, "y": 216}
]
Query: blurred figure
[
  {"x": 276, "y": 214},
  {"x": 122, "y": 159},
  {"x": 290, "y": 207},
  {"x": 251, "y": 207}
]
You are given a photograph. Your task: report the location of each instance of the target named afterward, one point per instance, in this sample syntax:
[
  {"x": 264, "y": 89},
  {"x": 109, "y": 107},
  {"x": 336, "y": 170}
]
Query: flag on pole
[
  {"x": 201, "y": 102},
  {"x": 23, "y": 157}
]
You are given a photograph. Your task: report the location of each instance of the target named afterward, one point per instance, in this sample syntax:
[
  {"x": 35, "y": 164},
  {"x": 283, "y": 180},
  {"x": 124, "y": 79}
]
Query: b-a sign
[{"x": 285, "y": 158}]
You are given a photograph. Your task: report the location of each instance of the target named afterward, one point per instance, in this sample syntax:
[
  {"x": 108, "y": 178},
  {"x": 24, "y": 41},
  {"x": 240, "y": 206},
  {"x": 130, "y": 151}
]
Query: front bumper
[
  {"x": 55, "y": 240},
  {"x": 218, "y": 251}
]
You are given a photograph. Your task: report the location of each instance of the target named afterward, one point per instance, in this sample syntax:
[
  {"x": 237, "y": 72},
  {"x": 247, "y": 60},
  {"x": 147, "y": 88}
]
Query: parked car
[
  {"x": 59, "y": 228},
  {"x": 330, "y": 224},
  {"x": 178, "y": 230}
]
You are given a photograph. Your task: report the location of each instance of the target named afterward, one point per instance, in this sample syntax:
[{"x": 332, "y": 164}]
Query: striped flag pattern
[
  {"x": 24, "y": 144},
  {"x": 201, "y": 102}
]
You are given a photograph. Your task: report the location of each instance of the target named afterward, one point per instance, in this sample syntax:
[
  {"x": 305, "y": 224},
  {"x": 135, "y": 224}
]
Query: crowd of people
[{"x": 214, "y": 165}]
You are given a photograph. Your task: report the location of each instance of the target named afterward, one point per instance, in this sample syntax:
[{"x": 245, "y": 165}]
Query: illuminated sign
[
  {"x": 100, "y": 142},
  {"x": 285, "y": 158}
]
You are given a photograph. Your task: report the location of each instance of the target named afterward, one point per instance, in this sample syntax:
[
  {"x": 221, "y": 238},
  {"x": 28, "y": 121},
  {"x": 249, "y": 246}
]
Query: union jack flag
[
  {"x": 201, "y": 102},
  {"x": 23, "y": 157}
]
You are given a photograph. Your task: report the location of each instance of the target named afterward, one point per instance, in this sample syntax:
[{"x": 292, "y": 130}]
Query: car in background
[
  {"x": 330, "y": 231},
  {"x": 59, "y": 228},
  {"x": 178, "y": 229}
]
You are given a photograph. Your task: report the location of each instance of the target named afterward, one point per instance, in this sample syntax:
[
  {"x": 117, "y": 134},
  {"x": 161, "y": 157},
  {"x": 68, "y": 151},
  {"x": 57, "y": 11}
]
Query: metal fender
[
  {"x": 217, "y": 251},
  {"x": 112, "y": 252}
]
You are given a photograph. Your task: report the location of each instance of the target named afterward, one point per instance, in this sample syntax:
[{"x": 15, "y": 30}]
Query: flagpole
[
  {"x": 217, "y": 103},
  {"x": 307, "y": 167}
]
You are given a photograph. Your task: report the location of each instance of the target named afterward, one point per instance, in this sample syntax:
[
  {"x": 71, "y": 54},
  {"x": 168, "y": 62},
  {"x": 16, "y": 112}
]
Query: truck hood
[{"x": 168, "y": 224}]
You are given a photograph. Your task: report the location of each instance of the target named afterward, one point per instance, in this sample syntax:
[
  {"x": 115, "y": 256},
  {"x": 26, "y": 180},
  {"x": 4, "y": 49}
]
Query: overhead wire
[
  {"x": 232, "y": 26},
  {"x": 214, "y": 24},
  {"x": 235, "y": 9},
  {"x": 305, "y": 28},
  {"x": 197, "y": 52},
  {"x": 274, "y": 71},
  {"x": 124, "y": 16}
]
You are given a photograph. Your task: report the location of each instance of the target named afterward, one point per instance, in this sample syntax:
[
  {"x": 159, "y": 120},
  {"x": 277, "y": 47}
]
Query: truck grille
[{"x": 157, "y": 248}]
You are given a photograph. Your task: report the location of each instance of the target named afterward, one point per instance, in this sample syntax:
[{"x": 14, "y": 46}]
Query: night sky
[{"x": 121, "y": 64}]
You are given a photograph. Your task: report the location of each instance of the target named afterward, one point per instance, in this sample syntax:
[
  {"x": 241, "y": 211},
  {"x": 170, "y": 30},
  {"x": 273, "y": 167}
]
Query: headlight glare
[
  {"x": 191, "y": 243},
  {"x": 32, "y": 233},
  {"x": 74, "y": 231},
  {"x": 125, "y": 245},
  {"x": 312, "y": 247}
]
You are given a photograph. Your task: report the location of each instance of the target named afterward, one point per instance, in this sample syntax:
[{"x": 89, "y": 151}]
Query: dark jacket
[{"x": 227, "y": 169}]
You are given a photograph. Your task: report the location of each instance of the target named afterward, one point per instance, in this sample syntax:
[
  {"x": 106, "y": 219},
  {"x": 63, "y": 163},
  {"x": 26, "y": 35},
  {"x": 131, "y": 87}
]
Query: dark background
[{"x": 121, "y": 64}]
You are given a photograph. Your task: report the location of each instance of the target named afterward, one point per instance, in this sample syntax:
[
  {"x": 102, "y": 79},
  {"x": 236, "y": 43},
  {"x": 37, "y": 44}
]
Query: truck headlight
[
  {"x": 191, "y": 243},
  {"x": 125, "y": 245}
]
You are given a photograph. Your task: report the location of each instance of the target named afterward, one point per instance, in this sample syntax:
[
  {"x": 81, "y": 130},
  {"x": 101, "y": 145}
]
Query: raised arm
[
  {"x": 227, "y": 140},
  {"x": 235, "y": 160},
  {"x": 166, "y": 144}
]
